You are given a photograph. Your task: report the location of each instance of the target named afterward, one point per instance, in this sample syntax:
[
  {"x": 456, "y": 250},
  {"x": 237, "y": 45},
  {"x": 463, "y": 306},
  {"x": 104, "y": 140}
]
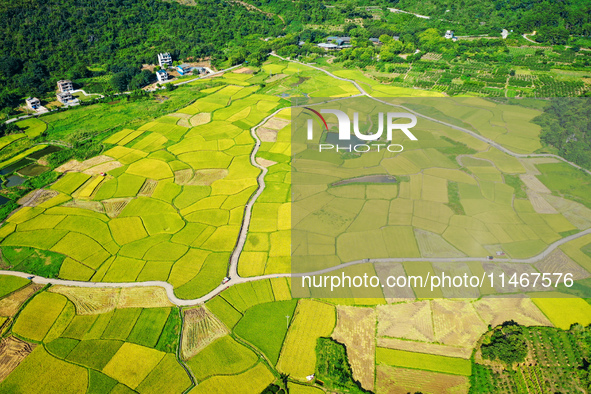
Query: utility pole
[{"x": 287, "y": 317}]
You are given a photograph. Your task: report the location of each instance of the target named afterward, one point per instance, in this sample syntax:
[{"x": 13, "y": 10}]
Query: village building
[
  {"x": 33, "y": 103},
  {"x": 66, "y": 98},
  {"x": 65, "y": 85},
  {"x": 449, "y": 34},
  {"x": 161, "y": 75},
  {"x": 164, "y": 60},
  {"x": 334, "y": 43},
  {"x": 184, "y": 68}
]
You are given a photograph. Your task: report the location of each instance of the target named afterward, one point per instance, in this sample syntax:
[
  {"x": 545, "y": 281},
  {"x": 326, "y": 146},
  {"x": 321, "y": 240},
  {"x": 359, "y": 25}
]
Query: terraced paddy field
[
  {"x": 454, "y": 196},
  {"x": 133, "y": 347},
  {"x": 170, "y": 207}
]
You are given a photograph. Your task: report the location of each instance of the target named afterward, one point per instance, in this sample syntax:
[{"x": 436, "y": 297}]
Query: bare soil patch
[
  {"x": 265, "y": 163},
  {"x": 12, "y": 352},
  {"x": 267, "y": 135}
]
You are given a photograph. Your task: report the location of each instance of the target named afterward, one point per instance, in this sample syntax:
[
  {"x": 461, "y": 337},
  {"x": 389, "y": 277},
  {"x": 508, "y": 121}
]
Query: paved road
[
  {"x": 233, "y": 266},
  {"x": 529, "y": 39},
  {"x": 236, "y": 279}
]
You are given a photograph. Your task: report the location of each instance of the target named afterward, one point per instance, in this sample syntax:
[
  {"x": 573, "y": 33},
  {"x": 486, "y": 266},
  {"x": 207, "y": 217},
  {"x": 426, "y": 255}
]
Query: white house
[
  {"x": 65, "y": 85},
  {"x": 164, "y": 60},
  {"x": 66, "y": 98},
  {"x": 449, "y": 34},
  {"x": 162, "y": 75},
  {"x": 33, "y": 103}
]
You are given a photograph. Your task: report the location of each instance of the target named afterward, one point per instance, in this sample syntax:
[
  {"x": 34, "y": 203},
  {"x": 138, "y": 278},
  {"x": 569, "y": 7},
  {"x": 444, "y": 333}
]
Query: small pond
[
  {"x": 14, "y": 180},
  {"x": 367, "y": 179}
]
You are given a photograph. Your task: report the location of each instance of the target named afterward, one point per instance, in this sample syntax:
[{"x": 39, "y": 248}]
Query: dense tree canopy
[
  {"x": 507, "y": 344},
  {"x": 42, "y": 42}
]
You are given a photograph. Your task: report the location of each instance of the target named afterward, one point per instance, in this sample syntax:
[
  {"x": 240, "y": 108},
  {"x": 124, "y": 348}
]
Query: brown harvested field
[
  {"x": 356, "y": 330},
  {"x": 143, "y": 297},
  {"x": 96, "y": 161},
  {"x": 456, "y": 323},
  {"x": 103, "y": 167},
  {"x": 496, "y": 310},
  {"x": 243, "y": 70},
  {"x": 89, "y": 301},
  {"x": 182, "y": 177},
  {"x": 90, "y": 205},
  {"x": 181, "y": 116},
  {"x": 12, "y": 352},
  {"x": 208, "y": 176},
  {"x": 534, "y": 183},
  {"x": 184, "y": 123},
  {"x": 264, "y": 162},
  {"x": 576, "y": 213},
  {"x": 72, "y": 165},
  {"x": 433, "y": 245},
  {"x": 276, "y": 77},
  {"x": 201, "y": 118},
  {"x": 406, "y": 320},
  {"x": 539, "y": 203},
  {"x": 425, "y": 347},
  {"x": 114, "y": 206},
  {"x": 276, "y": 123},
  {"x": 10, "y": 305},
  {"x": 557, "y": 261},
  {"x": 37, "y": 197},
  {"x": 394, "y": 380},
  {"x": 394, "y": 294},
  {"x": 200, "y": 329},
  {"x": 267, "y": 135},
  {"x": 148, "y": 188}
]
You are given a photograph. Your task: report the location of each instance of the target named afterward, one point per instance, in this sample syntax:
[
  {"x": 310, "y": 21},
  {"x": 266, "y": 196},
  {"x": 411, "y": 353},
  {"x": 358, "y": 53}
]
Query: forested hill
[
  {"x": 42, "y": 41},
  {"x": 553, "y": 20}
]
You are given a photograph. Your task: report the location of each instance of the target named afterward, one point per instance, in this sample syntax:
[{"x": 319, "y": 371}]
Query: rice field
[
  {"x": 565, "y": 311},
  {"x": 312, "y": 320},
  {"x": 355, "y": 329},
  {"x": 423, "y": 361}
]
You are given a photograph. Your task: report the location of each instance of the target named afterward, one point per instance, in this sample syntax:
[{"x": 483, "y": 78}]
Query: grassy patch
[
  {"x": 332, "y": 367},
  {"x": 562, "y": 178},
  {"x": 453, "y": 197},
  {"x": 517, "y": 184},
  {"x": 254, "y": 326},
  {"x": 33, "y": 261}
]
